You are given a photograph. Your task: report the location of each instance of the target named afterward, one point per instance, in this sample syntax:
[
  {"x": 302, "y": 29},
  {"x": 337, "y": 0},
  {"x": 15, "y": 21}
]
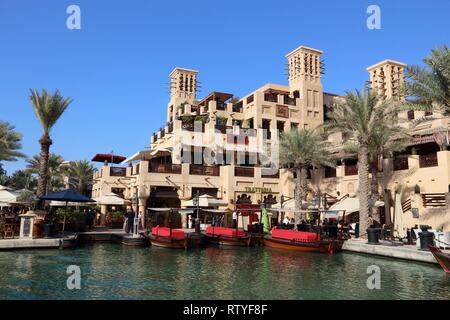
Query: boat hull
[
  {"x": 442, "y": 258},
  {"x": 324, "y": 246},
  {"x": 229, "y": 241},
  {"x": 168, "y": 242}
]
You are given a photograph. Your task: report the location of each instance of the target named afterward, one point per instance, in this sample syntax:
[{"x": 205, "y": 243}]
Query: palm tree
[
  {"x": 360, "y": 115},
  {"x": 54, "y": 176},
  {"x": 9, "y": 143},
  {"x": 22, "y": 179},
  {"x": 80, "y": 175},
  {"x": 430, "y": 86},
  {"x": 385, "y": 140},
  {"x": 299, "y": 150},
  {"x": 48, "y": 109}
]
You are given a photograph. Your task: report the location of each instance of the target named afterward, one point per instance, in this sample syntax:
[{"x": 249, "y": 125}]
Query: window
[
  {"x": 411, "y": 115},
  {"x": 294, "y": 125}
]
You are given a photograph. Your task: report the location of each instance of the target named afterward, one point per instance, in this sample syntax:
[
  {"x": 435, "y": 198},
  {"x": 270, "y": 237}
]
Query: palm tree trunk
[
  {"x": 45, "y": 142},
  {"x": 374, "y": 189},
  {"x": 364, "y": 189},
  {"x": 298, "y": 192}
]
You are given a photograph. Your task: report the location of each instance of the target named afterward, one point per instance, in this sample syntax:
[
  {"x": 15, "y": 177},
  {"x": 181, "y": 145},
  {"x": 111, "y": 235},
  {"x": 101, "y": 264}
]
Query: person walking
[{"x": 234, "y": 219}]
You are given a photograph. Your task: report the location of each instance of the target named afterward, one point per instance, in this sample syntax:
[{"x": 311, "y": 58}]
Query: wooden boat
[
  {"x": 302, "y": 241},
  {"x": 442, "y": 258},
  {"x": 173, "y": 238},
  {"x": 231, "y": 237}
]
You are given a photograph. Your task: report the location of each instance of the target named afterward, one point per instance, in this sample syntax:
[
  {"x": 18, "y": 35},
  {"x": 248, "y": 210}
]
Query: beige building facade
[{"x": 227, "y": 147}]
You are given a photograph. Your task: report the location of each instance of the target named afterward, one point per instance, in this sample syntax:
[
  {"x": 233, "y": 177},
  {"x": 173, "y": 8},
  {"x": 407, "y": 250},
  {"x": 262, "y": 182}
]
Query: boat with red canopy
[
  {"x": 168, "y": 237},
  {"x": 319, "y": 238},
  {"x": 235, "y": 236}
]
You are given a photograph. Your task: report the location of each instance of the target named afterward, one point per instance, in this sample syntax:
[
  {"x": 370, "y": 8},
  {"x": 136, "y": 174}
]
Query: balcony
[
  {"x": 201, "y": 170},
  {"x": 164, "y": 168},
  {"x": 330, "y": 172},
  {"x": 136, "y": 169},
  {"x": 268, "y": 173},
  {"x": 250, "y": 99},
  {"x": 170, "y": 125},
  {"x": 351, "y": 170},
  {"x": 237, "y": 107},
  {"x": 401, "y": 163},
  {"x": 248, "y": 132},
  {"x": 190, "y": 126},
  {"x": 290, "y": 101},
  {"x": 117, "y": 172},
  {"x": 433, "y": 200},
  {"x": 221, "y": 106},
  {"x": 244, "y": 172},
  {"x": 271, "y": 97},
  {"x": 221, "y": 128},
  {"x": 428, "y": 160}
]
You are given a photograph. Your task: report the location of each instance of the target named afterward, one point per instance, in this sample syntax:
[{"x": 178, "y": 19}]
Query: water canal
[{"x": 110, "y": 271}]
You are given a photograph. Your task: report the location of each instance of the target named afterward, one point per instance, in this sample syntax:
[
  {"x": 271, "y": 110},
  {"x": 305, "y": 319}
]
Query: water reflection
[{"x": 116, "y": 272}]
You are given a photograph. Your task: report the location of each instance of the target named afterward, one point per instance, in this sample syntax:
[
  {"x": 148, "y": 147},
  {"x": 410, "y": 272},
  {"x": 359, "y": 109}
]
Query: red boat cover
[
  {"x": 295, "y": 235},
  {"x": 230, "y": 232},
  {"x": 165, "y": 232}
]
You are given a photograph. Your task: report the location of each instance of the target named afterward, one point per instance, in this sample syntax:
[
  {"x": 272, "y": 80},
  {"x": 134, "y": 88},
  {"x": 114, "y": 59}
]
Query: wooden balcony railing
[
  {"x": 270, "y": 97},
  {"x": 221, "y": 106},
  {"x": 268, "y": 173},
  {"x": 351, "y": 170},
  {"x": 201, "y": 170},
  {"x": 250, "y": 99},
  {"x": 164, "y": 168},
  {"x": 117, "y": 172},
  {"x": 401, "y": 163},
  {"x": 428, "y": 160},
  {"x": 244, "y": 172},
  {"x": 433, "y": 200}
]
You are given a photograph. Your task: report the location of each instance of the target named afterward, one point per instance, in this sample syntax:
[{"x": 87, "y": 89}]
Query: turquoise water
[{"x": 111, "y": 271}]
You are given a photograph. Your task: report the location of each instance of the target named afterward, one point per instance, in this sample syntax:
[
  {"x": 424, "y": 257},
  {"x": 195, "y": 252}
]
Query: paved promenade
[{"x": 406, "y": 252}]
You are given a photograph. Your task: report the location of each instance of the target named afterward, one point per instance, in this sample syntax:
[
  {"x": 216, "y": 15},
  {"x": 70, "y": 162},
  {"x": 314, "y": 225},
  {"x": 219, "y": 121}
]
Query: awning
[
  {"x": 8, "y": 196},
  {"x": 350, "y": 205},
  {"x": 205, "y": 200},
  {"x": 141, "y": 155},
  {"x": 69, "y": 204},
  {"x": 215, "y": 96},
  {"x": 110, "y": 158},
  {"x": 111, "y": 199},
  {"x": 217, "y": 210}
]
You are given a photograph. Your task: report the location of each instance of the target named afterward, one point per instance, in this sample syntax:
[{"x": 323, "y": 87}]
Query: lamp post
[{"x": 197, "y": 218}]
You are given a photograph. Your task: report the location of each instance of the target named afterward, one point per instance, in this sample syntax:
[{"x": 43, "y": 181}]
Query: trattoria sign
[{"x": 258, "y": 190}]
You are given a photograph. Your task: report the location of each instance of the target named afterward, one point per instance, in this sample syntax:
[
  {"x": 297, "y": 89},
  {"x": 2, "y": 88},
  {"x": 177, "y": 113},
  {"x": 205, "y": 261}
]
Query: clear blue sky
[{"x": 116, "y": 67}]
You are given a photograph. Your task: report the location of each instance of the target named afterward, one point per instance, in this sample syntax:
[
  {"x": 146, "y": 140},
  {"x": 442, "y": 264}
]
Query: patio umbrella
[
  {"x": 265, "y": 220},
  {"x": 68, "y": 195}
]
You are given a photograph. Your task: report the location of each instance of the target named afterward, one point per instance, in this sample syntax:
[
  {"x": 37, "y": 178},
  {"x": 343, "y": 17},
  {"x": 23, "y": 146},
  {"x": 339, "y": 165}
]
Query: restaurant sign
[{"x": 258, "y": 190}]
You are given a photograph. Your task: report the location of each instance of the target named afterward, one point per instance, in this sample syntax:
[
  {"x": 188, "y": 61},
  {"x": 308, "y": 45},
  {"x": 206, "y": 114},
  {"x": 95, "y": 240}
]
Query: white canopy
[
  {"x": 111, "y": 199},
  {"x": 54, "y": 203},
  {"x": 8, "y": 196},
  {"x": 399, "y": 226},
  {"x": 204, "y": 201},
  {"x": 350, "y": 205}
]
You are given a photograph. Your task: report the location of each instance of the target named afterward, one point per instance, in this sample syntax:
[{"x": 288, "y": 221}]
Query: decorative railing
[
  {"x": 164, "y": 168},
  {"x": 282, "y": 111},
  {"x": 433, "y": 200},
  {"x": 201, "y": 170},
  {"x": 428, "y": 160},
  {"x": 401, "y": 163},
  {"x": 244, "y": 171},
  {"x": 406, "y": 205},
  {"x": 250, "y": 99},
  {"x": 221, "y": 106},
  {"x": 117, "y": 172},
  {"x": 268, "y": 173},
  {"x": 351, "y": 170}
]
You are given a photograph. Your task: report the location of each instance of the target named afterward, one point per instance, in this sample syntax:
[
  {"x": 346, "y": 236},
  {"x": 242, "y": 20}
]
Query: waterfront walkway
[{"x": 406, "y": 252}]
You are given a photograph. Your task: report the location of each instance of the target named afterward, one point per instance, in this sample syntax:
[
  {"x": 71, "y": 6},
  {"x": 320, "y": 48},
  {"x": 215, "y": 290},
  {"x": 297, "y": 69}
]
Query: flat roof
[
  {"x": 221, "y": 96},
  {"x": 305, "y": 48},
  {"x": 386, "y": 61},
  {"x": 183, "y": 69}
]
